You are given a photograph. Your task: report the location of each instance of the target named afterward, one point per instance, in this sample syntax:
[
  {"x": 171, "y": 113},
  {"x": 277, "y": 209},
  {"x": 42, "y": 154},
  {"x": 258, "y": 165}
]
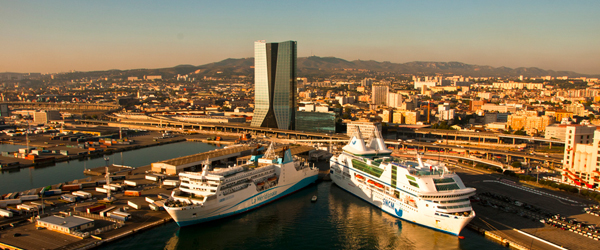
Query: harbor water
[
  {"x": 338, "y": 220},
  {"x": 28, "y": 178}
]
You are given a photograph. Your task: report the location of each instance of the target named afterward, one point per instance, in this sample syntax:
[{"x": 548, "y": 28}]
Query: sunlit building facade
[{"x": 274, "y": 85}]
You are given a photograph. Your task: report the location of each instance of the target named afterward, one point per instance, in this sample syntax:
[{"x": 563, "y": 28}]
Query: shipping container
[
  {"x": 57, "y": 191},
  {"x": 71, "y": 187},
  {"x": 111, "y": 187},
  {"x": 132, "y": 193},
  {"x": 6, "y": 202},
  {"x": 6, "y": 213},
  {"x": 117, "y": 216},
  {"x": 83, "y": 195},
  {"x": 133, "y": 205},
  {"x": 150, "y": 200},
  {"x": 89, "y": 184},
  {"x": 95, "y": 209},
  {"x": 117, "y": 177},
  {"x": 123, "y": 214},
  {"x": 29, "y": 197},
  {"x": 171, "y": 183},
  {"x": 101, "y": 190},
  {"x": 152, "y": 177},
  {"x": 39, "y": 205},
  {"x": 104, "y": 213},
  {"x": 26, "y": 207}
]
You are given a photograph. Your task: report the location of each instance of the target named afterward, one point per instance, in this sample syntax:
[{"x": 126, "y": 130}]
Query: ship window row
[
  {"x": 444, "y": 196},
  {"x": 446, "y": 187},
  {"x": 454, "y": 207},
  {"x": 451, "y": 201}
]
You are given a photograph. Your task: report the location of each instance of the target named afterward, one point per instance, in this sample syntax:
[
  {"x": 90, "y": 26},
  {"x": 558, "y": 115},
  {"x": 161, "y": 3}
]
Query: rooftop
[{"x": 68, "y": 222}]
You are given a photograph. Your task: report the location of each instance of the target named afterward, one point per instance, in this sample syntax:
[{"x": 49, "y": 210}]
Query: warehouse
[{"x": 65, "y": 224}]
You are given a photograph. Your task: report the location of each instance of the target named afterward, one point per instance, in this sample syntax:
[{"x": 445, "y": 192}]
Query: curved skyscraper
[{"x": 274, "y": 85}]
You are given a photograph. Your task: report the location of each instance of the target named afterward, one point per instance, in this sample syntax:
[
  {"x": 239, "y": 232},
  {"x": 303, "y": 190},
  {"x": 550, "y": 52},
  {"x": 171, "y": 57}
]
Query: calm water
[
  {"x": 338, "y": 220},
  {"x": 28, "y": 178}
]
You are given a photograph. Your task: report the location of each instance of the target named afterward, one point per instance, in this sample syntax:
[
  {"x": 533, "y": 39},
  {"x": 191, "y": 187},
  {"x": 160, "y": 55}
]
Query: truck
[
  {"x": 6, "y": 213},
  {"x": 163, "y": 196},
  {"x": 156, "y": 206},
  {"x": 70, "y": 197}
]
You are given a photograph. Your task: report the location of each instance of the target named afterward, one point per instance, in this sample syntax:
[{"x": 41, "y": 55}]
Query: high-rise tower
[{"x": 274, "y": 85}]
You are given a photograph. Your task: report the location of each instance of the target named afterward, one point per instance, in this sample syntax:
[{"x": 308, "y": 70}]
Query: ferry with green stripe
[{"x": 424, "y": 193}]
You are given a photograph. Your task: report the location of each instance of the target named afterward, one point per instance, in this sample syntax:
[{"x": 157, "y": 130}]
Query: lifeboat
[
  {"x": 360, "y": 177},
  {"x": 260, "y": 184},
  {"x": 272, "y": 178}
]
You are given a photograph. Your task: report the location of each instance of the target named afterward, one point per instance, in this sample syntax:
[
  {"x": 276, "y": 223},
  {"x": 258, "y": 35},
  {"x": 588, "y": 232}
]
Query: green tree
[{"x": 516, "y": 164}]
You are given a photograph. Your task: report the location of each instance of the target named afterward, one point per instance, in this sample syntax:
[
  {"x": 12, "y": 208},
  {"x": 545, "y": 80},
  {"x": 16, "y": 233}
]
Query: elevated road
[
  {"x": 61, "y": 106},
  {"x": 442, "y": 133}
]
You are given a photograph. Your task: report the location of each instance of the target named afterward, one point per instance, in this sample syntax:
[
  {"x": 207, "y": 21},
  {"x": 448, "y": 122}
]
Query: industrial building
[
  {"x": 196, "y": 161},
  {"x": 65, "y": 224}
]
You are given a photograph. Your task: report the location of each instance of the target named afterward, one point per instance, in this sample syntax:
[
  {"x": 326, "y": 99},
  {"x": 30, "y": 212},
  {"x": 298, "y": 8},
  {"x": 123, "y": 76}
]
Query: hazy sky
[{"x": 57, "y": 36}]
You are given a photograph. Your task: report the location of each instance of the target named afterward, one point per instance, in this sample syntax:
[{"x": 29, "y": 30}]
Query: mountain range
[{"x": 327, "y": 66}]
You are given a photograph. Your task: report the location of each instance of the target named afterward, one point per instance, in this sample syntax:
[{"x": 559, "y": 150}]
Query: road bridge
[
  {"x": 62, "y": 106},
  {"x": 483, "y": 136}
]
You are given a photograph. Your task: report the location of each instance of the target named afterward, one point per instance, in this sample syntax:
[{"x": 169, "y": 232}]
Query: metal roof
[
  {"x": 206, "y": 155},
  {"x": 67, "y": 222}
]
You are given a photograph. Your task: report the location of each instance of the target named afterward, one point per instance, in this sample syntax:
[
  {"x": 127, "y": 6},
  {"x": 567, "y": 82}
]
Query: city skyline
[{"x": 51, "y": 37}]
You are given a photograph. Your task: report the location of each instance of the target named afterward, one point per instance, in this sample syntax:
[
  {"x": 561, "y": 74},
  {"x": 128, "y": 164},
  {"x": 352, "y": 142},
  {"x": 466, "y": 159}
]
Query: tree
[
  {"x": 520, "y": 132},
  {"x": 516, "y": 164}
]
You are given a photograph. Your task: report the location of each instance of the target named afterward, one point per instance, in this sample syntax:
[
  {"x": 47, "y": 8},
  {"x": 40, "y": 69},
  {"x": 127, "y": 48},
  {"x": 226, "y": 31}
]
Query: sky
[{"x": 59, "y": 36}]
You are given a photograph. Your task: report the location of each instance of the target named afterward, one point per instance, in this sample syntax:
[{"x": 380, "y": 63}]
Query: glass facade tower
[{"x": 274, "y": 85}]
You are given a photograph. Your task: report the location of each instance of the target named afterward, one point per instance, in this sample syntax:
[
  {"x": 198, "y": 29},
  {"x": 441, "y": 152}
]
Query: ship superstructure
[
  {"x": 223, "y": 192},
  {"x": 425, "y": 193}
]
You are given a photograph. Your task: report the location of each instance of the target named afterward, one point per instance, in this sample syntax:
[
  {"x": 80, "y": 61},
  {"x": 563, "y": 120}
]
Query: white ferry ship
[
  {"x": 216, "y": 194},
  {"x": 423, "y": 193}
]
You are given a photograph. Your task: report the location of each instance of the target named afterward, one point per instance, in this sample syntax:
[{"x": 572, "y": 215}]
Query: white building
[
  {"x": 380, "y": 95},
  {"x": 419, "y": 84},
  {"x": 394, "y": 100},
  {"x": 581, "y": 165}
]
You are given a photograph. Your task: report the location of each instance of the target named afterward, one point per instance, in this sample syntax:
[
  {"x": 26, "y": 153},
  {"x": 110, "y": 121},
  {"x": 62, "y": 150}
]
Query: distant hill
[{"x": 323, "y": 66}]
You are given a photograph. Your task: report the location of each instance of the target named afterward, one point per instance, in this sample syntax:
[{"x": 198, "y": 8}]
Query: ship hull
[
  {"x": 416, "y": 212},
  {"x": 239, "y": 203}
]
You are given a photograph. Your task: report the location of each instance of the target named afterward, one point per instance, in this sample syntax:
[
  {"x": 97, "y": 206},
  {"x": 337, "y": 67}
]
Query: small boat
[{"x": 314, "y": 198}]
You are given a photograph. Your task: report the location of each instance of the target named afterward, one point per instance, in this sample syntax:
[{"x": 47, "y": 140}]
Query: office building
[
  {"x": 274, "y": 85},
  {"x": 46, "y": 116},
  {"x": 318, "y": 122}
]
